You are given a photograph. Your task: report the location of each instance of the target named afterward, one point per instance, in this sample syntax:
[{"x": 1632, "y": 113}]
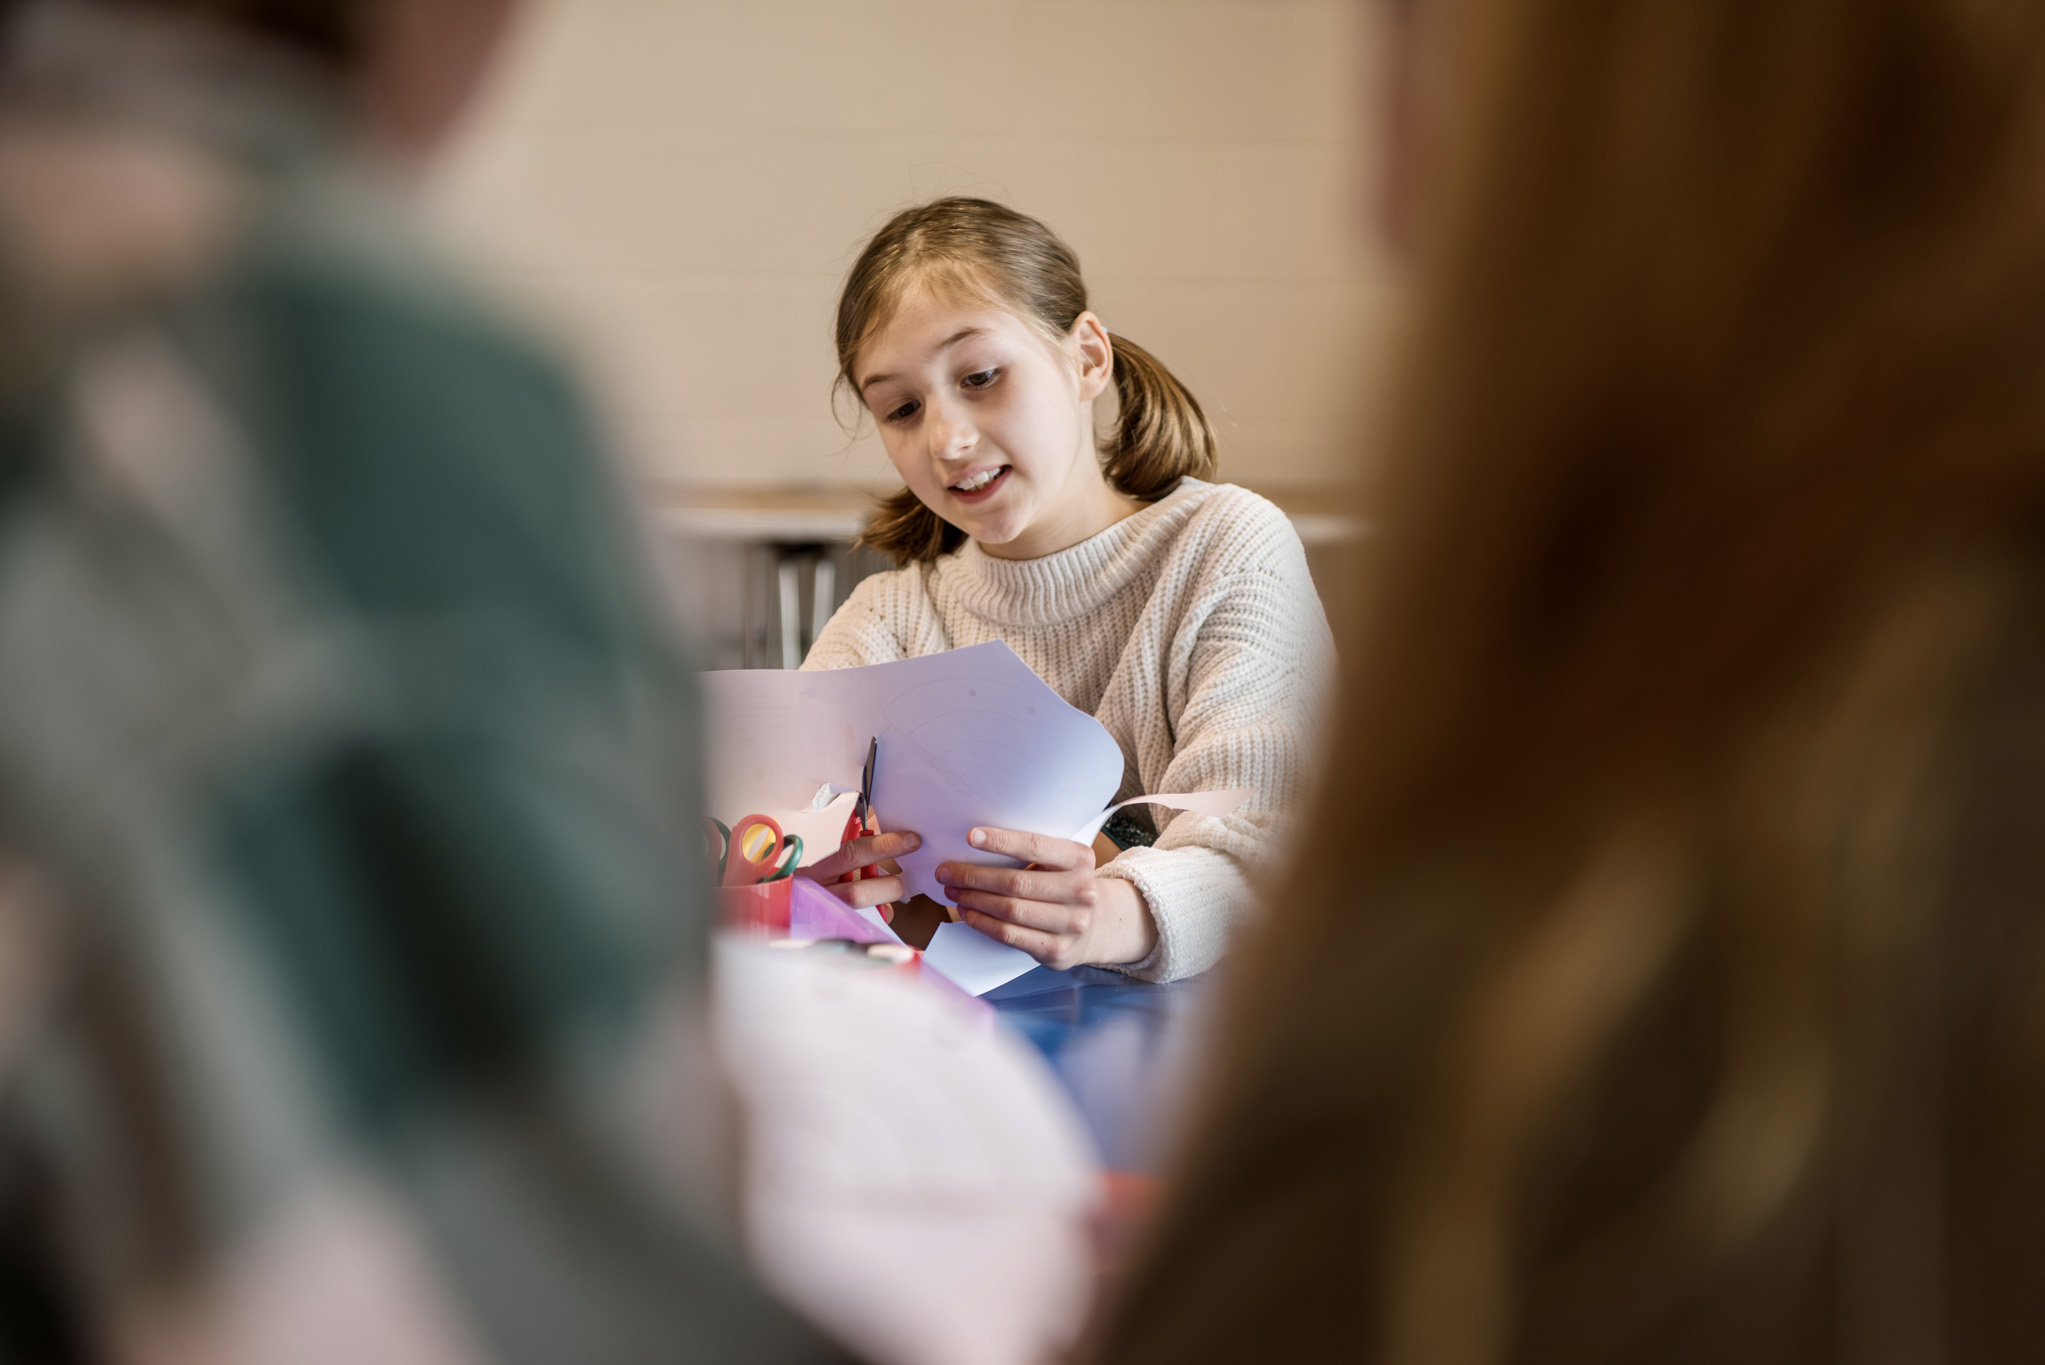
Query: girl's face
[{"x": 990, "y": 424}]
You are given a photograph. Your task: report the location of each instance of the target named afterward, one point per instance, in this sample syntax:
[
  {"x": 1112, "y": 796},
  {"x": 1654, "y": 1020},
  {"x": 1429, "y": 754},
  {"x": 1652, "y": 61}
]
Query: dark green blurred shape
[{"x": 353, "y": 761}]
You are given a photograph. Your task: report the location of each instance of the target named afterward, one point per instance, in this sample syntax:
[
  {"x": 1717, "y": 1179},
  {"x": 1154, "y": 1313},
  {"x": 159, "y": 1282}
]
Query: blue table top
[{"x": 1124, "y": 1051}]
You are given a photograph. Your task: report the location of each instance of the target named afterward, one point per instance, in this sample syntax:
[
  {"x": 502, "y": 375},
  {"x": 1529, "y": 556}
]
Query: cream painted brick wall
[{"x": 682, "y": 185}]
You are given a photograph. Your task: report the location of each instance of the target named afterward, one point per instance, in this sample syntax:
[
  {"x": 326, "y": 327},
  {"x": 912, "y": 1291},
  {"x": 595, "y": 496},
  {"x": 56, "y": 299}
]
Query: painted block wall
[{"x": 678, "y": 188}]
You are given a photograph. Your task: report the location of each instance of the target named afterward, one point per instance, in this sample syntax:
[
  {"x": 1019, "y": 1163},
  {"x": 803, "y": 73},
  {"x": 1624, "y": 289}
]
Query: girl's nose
[{"x": 950, "y": 435}]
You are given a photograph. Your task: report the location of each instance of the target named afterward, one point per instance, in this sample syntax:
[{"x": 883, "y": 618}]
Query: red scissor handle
[{"x": 755, "y": 853}]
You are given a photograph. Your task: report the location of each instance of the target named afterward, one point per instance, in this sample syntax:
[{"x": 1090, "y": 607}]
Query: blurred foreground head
[
  {"x": 1665, "y": 981},
  {"x": 127, "y": 128},
  {"x": 403, "y": 70},
  {"x": 349, "y": 946}
]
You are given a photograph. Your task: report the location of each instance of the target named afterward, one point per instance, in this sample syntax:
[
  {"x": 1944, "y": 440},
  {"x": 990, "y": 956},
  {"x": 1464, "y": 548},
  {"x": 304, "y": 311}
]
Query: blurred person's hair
[
  {"x": 979, "y": 251},
  {"x": 1611, "y": 1010},
  {"x": 334, "y": 35}
]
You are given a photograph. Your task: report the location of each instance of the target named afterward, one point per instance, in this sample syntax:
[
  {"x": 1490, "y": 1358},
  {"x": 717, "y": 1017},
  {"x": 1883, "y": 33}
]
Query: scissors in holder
[{"x": 754, "y": 850}]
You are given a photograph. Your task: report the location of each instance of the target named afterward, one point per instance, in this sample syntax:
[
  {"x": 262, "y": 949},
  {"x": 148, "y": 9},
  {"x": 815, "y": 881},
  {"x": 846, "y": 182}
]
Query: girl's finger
[
  {"x": 1023, "y": 883},
  {"x": 1039, "y": 945},
  {"x": 868, "y": 891},
  {"x": 863, "y": 852},
  {"x": 880, "y": 848},
  {"x": 1059, "y": 854},
  {"x": 1042, "y": 916}
]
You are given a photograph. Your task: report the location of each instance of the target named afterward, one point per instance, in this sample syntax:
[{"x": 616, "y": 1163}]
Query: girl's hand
[
  {"x": 1055, "y": 909},
  {"x": 859, "y": 853}
]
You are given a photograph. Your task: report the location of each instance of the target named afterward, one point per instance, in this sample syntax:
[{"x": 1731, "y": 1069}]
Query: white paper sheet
[{"x": 970, "y": 737}]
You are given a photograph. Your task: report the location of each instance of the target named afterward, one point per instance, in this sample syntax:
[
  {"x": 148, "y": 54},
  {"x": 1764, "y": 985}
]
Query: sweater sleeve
[
  {"x": 871, "y": 627},
  {"x": 1255, "y": 671}
]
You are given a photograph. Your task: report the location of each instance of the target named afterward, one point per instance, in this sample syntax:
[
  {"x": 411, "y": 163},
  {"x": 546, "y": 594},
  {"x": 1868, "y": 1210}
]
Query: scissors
[
  {"x": 862, "y": 820},
  {"x": 755, "y": 850}
]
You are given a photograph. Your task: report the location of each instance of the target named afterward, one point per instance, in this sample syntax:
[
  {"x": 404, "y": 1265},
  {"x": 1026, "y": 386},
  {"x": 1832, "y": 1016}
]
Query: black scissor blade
[{"x": 866, "y": 779}]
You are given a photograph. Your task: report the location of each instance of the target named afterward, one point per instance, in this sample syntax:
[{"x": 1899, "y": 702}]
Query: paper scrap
[{"x": 819, "y": 829}]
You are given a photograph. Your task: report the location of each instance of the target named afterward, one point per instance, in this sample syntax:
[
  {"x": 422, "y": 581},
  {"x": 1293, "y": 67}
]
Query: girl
[{"x": 1176, "y": 610}]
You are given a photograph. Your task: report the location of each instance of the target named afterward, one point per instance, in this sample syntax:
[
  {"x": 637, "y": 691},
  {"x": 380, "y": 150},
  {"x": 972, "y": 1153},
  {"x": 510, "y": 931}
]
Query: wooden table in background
[{"x": 805, "y": 535}]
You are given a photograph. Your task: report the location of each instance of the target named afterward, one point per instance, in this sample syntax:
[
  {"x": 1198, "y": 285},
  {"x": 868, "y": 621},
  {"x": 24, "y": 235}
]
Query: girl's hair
[
  {"x": 1625, "y": 1009},
  {"x": 981, "y": 250}
]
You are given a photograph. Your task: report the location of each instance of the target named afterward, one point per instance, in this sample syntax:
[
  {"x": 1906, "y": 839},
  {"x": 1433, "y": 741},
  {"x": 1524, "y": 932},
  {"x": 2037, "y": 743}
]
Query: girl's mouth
[{"x": 979, "y": 486}]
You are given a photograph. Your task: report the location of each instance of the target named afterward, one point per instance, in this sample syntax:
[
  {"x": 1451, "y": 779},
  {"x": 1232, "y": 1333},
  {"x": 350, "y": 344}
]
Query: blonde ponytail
[
  {"x": 1161, "y": 433},
  {"x": 1009, "y": 258}
]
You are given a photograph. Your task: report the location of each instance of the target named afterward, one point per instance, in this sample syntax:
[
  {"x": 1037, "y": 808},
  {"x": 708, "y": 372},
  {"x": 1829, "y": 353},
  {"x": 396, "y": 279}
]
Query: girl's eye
[
  {"x": 904, "y": 412},
  {"x": 980, "y": 380}
]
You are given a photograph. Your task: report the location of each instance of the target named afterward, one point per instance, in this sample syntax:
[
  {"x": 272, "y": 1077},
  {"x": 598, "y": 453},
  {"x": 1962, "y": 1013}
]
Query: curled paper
[{"x": 1206, "y": 803}]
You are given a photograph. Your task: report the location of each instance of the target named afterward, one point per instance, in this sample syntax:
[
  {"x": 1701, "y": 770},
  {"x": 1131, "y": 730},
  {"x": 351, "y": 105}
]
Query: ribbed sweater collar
[{"x": 1074, "y": 581}]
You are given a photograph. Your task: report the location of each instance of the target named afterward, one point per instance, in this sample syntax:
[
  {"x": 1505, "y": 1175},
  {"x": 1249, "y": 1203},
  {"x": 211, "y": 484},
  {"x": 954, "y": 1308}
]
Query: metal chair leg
[{"x": 791, "y": 613}]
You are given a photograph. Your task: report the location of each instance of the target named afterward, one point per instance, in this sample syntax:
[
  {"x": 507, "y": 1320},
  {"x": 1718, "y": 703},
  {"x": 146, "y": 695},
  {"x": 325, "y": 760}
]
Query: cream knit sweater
[{"x": 1192, "y": 632}]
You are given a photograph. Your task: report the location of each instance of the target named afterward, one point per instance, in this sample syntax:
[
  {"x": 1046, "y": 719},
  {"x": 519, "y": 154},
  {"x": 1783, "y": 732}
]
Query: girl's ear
[{"x": 1095, "y": 354}]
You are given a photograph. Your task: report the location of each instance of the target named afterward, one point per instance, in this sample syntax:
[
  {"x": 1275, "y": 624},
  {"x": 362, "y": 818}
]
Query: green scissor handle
[
  {"x": 723, "y": 842},
  {"x": 793, "y": 843}
]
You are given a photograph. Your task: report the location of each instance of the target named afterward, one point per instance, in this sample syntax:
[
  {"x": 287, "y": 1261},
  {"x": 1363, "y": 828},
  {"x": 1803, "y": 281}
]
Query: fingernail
[
  {"x": 944, "y": 872},
  {"x": 977, "y": 838},
  {"x": 915, "y": 841}
]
